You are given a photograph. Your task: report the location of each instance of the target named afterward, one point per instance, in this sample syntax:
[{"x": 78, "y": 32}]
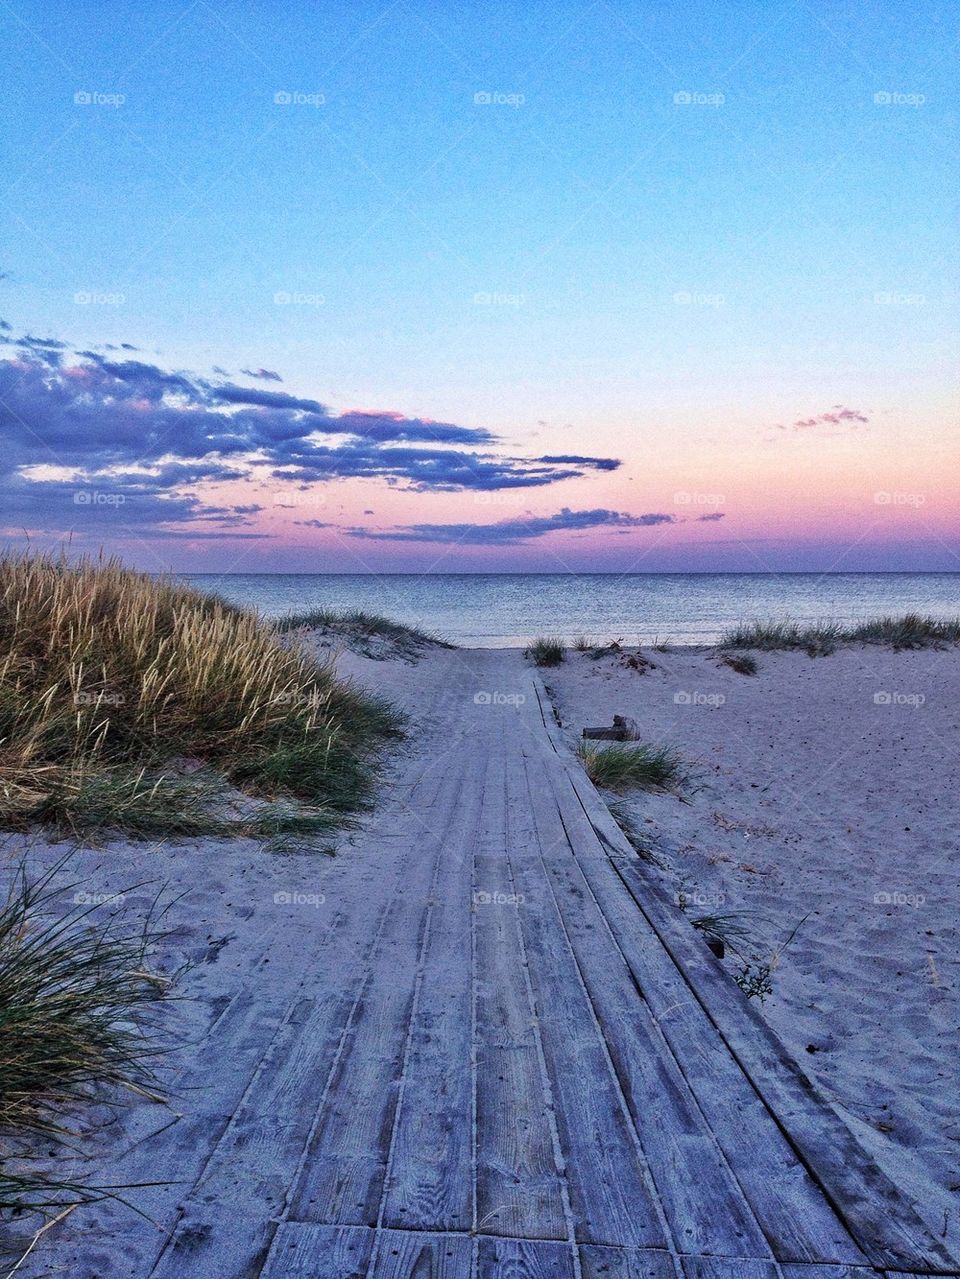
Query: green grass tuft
[
  {"x": 546, "y": 651},
  {"x": 742, "y": 663},
  {"x": 78, "y": 1008},
  {"x": 629, "y": 765},
  {"x": 357, "y": 623}
]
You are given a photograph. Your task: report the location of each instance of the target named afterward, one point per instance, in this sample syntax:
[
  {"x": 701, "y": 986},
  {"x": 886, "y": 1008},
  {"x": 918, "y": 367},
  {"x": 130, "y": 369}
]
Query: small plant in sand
[
  {"x": 625, "y": 766},
  {"x": 742, "y": 663},
  {"x": 78, "y": 1010},
  {"x": 134, "y": 703},
  {"x": 546, "y": 651}
]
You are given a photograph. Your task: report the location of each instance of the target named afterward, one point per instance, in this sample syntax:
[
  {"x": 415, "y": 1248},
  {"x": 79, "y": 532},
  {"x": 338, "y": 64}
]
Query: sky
[{"x": 476, "y": 286}]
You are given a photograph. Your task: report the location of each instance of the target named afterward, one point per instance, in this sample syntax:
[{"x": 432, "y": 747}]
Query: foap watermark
[
  {"x": 897, "y": 898},
  {"x": 695, "y": 98},
  {"x": 683, "y": 498},
  {"x": 494, "y": 98},
  {"x": 300, "y": 501},
  {"x": 97, "y": 497},
  {"x": 86, "y": 298},
  {"x": 482, "y": 898},
  {"x": 83, "y": 898},
  {"x": 894, "y": 297},
  {"x": 697, "y": 698},
  {"x": 483, "y": 698},
  {"x": 685, "y": 897},
  {"x": 294, "y": 897},
  {"x": 684, "y": 297},
  {"x": 509, "y": 497},
  {"x": 85, "y": 697},
  {"x": 93, "y": 98},
  {"x": 285, "y": 297},
  {"x": 894, "y": 98},
  {"x": 886, "y": 698},
  {"x": 499, "y": 299},
  {"x": 297, "y": 98},
  {"x": 884, "y": 498}
]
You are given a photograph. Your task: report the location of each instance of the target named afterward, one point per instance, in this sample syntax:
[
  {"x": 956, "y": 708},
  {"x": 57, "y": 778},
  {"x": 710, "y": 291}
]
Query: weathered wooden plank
[
  {"x": 431, "y": 1174},
  {"x": 403, "y": 1254},
  {"x": 524, "y": 1259},
  {"x": 792, "y": 1271},
  {"x": 704, "y": 1206},
  {"x": 597, "y": 1262},
  {"x": 518, "y": 1184},
  {"x": 342, "y": 1176},
  {"x": 728, "y": 1268},
  {"x": 302, "y": 1250},
  {"x": 610, "y": 1196}
]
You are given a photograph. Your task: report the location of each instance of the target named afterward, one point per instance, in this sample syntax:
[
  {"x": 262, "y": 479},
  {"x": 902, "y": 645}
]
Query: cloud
[
  {"x": 839, "y": 415},
  {"x": 264, "y": 375},
  {"x": 158, "y": 438},
  {"x": 711, "y": 518},
  {"x": 509, "y": 532}
]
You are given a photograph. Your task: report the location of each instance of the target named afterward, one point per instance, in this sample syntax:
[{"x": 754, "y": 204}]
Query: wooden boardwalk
[{"x": 508, "y": 1055}]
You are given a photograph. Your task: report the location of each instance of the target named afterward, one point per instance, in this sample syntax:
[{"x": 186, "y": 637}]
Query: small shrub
[
  {"x": 742, "y": 663},
  {"x": 546, "y": 652},
  {"x": 821, "y": 638},
  {"x": 628, "y": 765}
]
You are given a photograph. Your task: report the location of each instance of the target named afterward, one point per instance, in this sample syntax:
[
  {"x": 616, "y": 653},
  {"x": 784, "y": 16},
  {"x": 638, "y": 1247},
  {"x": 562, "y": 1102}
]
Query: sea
[{"x": 508, "y": 610}]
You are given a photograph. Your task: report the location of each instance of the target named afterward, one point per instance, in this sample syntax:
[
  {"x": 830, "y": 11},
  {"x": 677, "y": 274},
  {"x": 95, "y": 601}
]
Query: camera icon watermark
[
  {"x": 498, "y": 899},
  {"x": 897, "y": 898}
]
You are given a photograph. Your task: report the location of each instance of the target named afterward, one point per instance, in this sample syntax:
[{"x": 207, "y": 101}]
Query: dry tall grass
[{"x": 114, "y": 687}]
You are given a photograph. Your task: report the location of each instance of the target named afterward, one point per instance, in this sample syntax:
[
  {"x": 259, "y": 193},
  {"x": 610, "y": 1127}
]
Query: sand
[{"x": 822, "y": 792}]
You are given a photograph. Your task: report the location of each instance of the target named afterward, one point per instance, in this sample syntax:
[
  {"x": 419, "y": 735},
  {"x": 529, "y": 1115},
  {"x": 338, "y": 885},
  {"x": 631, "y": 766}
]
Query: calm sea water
[{"x": 509, "y": 609}]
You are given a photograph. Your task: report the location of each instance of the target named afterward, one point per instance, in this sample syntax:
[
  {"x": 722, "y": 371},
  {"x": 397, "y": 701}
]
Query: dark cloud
[
  {"x": 573, "y": 459},
  {"x": 150, "y": 436},
  {"x": 711, "y": 518},
  {"x": 265, "y": 375},
  {"x": 509, "y": 532}
]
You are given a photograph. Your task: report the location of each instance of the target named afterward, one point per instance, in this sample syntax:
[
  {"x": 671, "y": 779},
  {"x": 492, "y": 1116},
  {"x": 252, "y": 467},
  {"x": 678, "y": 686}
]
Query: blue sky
[{"x": 661, "y": 235}]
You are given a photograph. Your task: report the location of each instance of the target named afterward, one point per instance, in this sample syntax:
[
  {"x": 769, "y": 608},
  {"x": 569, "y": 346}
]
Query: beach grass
[
  {"x": 546, "y": 651},
  {"x": 742, "y": 663},
  {"x": 78, "y": 1010},
  {"x": 821, "y": 638},
  {"x": 137, "y": 704},
  {"x": 361, "y": 624},
  {"x": 624, "y": 766}
]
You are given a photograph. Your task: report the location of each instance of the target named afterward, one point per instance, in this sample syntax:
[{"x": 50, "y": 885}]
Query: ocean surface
[{"x": 510, "y": 609}]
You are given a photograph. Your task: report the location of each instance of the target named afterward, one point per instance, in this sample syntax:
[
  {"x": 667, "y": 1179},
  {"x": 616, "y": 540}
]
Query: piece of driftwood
[{"x": 624, "y": 729}]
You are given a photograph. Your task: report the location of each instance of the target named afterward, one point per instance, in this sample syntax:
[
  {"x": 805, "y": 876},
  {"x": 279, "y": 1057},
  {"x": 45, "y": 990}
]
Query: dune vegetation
[
  {"x": 142, "y": 705},
  {"x": 821, "y": 638}
]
